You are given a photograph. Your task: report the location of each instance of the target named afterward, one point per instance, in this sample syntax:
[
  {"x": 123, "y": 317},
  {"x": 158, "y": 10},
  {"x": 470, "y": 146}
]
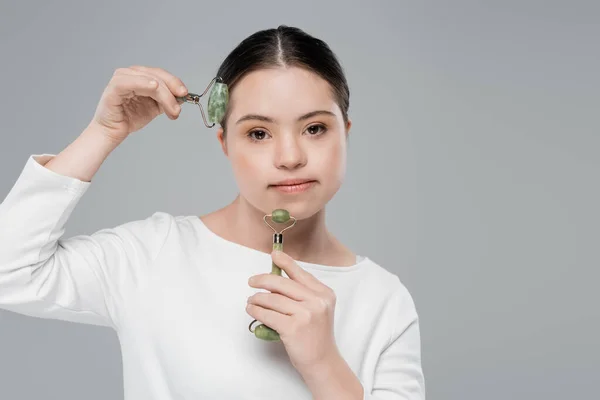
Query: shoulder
[
  {"x": 149, "y": 232},
  {"x": 158, "y": 220},
  {"x": 391, "y": 286},
  {"x": 377, "y": 274},
  {"x": 157, "y": 223}
]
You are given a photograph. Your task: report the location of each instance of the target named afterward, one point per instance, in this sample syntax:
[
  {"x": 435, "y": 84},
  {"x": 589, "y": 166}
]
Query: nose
[{"x": 289, "y": 154}]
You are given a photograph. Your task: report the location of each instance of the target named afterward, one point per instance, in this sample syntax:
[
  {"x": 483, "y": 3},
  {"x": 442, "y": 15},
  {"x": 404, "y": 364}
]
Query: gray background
[{"x": 475, "y": 127}]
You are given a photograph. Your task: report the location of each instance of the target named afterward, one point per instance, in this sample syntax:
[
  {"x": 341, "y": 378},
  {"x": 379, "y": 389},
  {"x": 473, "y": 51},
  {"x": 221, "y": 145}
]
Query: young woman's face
[{"x": 283, "y": 125}]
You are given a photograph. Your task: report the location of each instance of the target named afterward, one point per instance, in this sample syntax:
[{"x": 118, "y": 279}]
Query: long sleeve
[
  {"x": 399, "y": 375},
  {"x": 77, "y": 279}
]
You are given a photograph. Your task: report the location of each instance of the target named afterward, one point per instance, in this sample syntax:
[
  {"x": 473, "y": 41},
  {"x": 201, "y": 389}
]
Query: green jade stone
[
  {"x": 262, "y": 331},
  {"x": 280, "y": 216},
  {"x": 265, "y": 333},
  {"x": 217, "y": 102},
  {"x": 274, "y": 268}
]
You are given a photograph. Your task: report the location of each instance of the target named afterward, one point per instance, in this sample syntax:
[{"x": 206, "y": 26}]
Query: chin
[
  {"x": 304, "y": 209},
  {"x": 300, "y": 208}
]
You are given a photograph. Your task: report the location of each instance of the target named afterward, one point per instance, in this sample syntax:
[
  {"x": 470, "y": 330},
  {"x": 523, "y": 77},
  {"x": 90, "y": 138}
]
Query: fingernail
[{"x": 182, "y": 90}]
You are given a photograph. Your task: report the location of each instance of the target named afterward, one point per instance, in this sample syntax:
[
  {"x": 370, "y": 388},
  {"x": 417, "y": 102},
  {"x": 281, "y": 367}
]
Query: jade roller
[
  {"x": 278, "y": 216},
  {"x": 217, "y": 101}
]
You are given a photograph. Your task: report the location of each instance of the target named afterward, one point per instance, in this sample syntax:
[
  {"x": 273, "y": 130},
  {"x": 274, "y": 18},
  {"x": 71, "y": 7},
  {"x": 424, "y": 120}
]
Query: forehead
[{"x": 284, "y": 92}]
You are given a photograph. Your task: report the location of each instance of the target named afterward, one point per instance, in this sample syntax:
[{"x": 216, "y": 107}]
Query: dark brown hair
[{"x": 286, "y": 47}]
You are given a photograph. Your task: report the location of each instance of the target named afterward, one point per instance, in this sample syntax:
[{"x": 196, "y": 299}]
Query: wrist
[
  {"x": 100, "y": 134},
  {"x": 83, "y": 157},
  {"x": 332, "y": 378},
  {"x": 318, "y": 373},
  {"x": 320, "y": 367}
]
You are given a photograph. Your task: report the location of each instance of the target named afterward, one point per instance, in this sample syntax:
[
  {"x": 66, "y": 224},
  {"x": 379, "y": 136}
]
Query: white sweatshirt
[{"x": 175, "y": 293}]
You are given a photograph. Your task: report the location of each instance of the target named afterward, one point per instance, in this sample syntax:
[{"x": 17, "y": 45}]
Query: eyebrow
[{"x": 264, "y": 118}]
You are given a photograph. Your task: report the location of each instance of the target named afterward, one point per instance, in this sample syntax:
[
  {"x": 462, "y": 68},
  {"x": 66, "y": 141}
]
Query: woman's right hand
[{"x": 134, "y": 97}]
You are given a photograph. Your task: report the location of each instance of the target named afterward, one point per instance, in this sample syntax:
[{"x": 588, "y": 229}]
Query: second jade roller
[{"x": 279, "y": 216}]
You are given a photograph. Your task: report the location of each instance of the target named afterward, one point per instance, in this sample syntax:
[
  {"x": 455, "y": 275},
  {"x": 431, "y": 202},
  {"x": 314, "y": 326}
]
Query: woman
[{"x": 180, "y": 291}]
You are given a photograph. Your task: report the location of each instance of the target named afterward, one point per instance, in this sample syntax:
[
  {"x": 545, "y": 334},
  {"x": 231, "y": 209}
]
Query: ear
[
  {"x": 222, "y": 140},
  {"x": 348, "y": 127}
]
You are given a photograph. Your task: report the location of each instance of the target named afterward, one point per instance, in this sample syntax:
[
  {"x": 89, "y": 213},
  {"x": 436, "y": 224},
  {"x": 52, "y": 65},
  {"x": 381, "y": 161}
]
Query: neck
[{"x": 308, "y": 240}]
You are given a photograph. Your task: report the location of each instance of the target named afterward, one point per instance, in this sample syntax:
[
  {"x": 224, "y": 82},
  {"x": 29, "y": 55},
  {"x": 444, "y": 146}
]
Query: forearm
[
  {"x": 83, "y": 157},
  {"x": 333, "y": 380}
]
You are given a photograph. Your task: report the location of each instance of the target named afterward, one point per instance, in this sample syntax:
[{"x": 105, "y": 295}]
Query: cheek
[
  {"x": 242, "y": 165},
  {"x": 332, "y": 161},
  {"x": 247, "y": 170}
]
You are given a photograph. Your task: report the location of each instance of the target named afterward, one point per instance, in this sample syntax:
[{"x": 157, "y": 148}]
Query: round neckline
[{"x": 362, "y": 260}]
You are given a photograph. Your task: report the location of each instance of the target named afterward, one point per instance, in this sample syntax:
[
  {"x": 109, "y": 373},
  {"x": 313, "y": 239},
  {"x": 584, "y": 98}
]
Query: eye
[
  {"x": 316, "y": 130},
  {"x": 257, "y": 135}
]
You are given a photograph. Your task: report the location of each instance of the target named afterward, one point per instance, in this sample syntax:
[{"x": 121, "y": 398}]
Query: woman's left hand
[{"x": 300, "y": 309}]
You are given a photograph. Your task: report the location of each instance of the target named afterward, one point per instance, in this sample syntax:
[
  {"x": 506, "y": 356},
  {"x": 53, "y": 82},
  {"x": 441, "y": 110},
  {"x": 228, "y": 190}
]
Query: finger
[
  {"x": 284, "y": 286},
  {"x": 150, "y": 86},
  {"x": 174, "y": 84},
  {"x": 276, "y": 302},
  {"x": 294, "y": 271},
  {"x": 272, "y": 319},
  {"x": 142, "y": 85}
]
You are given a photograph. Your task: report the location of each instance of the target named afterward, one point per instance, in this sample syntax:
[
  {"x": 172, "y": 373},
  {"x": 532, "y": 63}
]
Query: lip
[
  {"x": 290, "y": 182},
  {"x": 293, "y": 185}
]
